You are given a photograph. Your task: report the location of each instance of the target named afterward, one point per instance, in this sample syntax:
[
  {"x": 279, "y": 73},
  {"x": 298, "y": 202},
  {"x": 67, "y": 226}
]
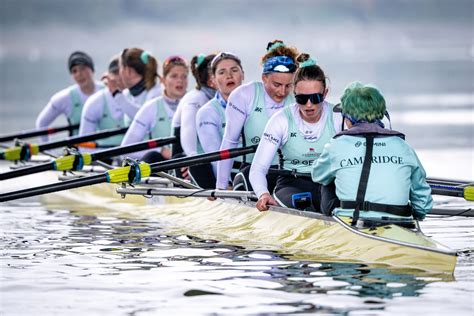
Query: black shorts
[{"x": 288, "y": 189}]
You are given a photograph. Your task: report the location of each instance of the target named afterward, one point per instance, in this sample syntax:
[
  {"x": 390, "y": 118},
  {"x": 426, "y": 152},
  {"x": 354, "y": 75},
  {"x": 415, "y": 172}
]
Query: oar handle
[
  {"x": 37, "y": 132},
  {"x": 83, "y": 138},
  {"x": 202, "y": 158},
  {"x": 27, "y": 170},
  {"x": 70, "y": 184},
  {"x": 25, "y": 151},
  {"x": 149, "y": 144}
]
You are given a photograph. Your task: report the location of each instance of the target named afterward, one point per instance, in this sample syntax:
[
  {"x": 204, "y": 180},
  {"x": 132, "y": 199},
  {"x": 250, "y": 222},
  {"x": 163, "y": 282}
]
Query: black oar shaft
[
  {"x": 154, "y": 143},
  {"x": 37, "y": 132},
  {"x": 103, "y": 154},
  {"x": 107, "y": 177},
  {"x": 70, "y": 184},
  {"x": 27, "y": 170},
  {"x": 447, "y": 190},
  {"x": 81, "y": 139},
  {"x": 201, "y": 159}
]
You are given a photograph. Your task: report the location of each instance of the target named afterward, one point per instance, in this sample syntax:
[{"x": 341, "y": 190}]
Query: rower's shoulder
[
  {"x": 64, "y": 94},
  {"x": 193, "y": 96},
  {"x": 96, "y": 98},
  {"x": 246, "y": 89}
]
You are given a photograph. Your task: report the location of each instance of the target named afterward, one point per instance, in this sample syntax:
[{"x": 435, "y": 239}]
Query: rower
[
  {"x": 251, "y": 105},
  {"x": 299, "y": 133},
  {"x": 138, "y": 70},
  {"x": 184, "y": 122},
  {"x": 153, "y": 120},
  {"x": 227, "y": 73},
  {"x": 101, "y": 111},
  {"x": 375, "y": 171},
  {"x": 70, "y": 101}
]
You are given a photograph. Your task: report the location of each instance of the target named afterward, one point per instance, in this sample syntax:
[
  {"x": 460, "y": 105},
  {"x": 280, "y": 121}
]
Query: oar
[
  {"x": 240, "y": 195},
  {"x": 131, "y": 173},
  {"x": 37, "y": 132},
  {"x": 25, "y": 151},
  {"x": 462, "y": 189},
  {"x": 76, "y": 160},
  {"x": 448, "y": 181}
]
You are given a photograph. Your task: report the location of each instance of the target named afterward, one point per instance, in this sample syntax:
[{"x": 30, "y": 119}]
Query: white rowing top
[
  {"x": 277, "y": 127},
  {"x": 145, "y": 121},
  {"x": 209, "y": 123},
  {"x": 239, "y": 107},
  {"x": 61, "y": 103},
  {"x": 94, "y": 110},
  {"x": 186, "y": 119},
  {"x": 131, "y": 104}
]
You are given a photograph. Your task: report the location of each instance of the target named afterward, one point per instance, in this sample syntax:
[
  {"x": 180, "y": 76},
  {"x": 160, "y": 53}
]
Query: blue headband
[
  {"x": 282, "y": 64},
  {"x": 144, "y": 57}
]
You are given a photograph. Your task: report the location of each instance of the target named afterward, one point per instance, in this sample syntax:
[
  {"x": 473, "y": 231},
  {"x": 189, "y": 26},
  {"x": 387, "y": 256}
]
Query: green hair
[{"x": 363, "y": 102}]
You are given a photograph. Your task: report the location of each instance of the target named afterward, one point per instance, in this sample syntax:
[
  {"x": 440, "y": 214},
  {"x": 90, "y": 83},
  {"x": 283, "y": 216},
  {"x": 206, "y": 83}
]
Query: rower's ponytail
[
  {"x": 151, "y": 73},
  {"x": 143, "y": 63},
  {"x": 200, "y": 69}
]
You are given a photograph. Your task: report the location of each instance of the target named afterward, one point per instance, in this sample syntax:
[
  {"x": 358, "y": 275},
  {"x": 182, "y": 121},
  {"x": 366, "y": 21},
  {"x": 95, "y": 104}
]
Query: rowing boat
[{"x": 233, "y": 218}]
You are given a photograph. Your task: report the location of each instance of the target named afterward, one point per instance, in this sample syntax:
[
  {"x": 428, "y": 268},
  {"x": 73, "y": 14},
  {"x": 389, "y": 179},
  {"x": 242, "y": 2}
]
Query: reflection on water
[{"x": 59, "y": 261}]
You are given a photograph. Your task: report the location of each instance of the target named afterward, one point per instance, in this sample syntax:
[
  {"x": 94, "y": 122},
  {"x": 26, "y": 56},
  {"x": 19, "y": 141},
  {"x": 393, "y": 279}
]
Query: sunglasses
[
  {"x": 174, "y": 60},
  {"x": 315, "y": 98}
]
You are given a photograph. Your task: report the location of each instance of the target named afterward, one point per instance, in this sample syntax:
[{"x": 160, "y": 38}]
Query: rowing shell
[{"x": 235, "y": 220}]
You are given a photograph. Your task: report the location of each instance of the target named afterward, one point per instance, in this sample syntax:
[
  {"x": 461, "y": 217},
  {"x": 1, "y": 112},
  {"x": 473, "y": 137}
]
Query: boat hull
[{"x": 302, "y": 234}]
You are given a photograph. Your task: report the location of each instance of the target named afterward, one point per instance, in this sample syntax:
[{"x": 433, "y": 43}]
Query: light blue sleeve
[
  {"x": 420, "y": 191},
  {"x": 322, "y": 171}
]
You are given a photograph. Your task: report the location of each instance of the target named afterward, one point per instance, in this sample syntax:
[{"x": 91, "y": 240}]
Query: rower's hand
[{"x": 264, "y": 200}]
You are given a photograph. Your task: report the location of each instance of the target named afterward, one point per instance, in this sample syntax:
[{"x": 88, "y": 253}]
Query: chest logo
[{"x": 255, "y": 140}]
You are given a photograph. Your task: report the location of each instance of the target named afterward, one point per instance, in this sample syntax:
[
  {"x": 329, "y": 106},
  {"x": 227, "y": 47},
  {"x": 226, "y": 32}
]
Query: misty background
[{"x": 418, "y": 52}]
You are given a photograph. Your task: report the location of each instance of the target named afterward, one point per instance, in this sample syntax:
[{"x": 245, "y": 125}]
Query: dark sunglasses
[{"x": 315, "y": 98}]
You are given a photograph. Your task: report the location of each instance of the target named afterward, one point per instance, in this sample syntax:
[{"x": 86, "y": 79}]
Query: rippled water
[{"x": 72, "y": 262}]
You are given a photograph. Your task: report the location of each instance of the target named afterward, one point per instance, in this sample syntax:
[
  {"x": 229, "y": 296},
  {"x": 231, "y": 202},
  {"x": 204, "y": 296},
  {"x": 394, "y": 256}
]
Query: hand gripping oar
[
  {"x": 75, "y": 160},
  {"x": 37, "y": 132},
  {"x": 25, "y": 151},
  {"x": 131, "y": 173}
]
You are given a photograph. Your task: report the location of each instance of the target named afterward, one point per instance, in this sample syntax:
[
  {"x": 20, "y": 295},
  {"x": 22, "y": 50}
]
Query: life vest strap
[{"x": 399, "y": 210}]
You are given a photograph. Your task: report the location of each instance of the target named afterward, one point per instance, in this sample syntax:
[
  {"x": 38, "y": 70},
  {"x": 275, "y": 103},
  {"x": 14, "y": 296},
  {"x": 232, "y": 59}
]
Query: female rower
[
  {"x": 69, "y": 101},
  {"x": 251, "y": 105},
  {"x": 299, "y": 132},
  {"x": 184, "y": 123},
  {"x": 226, "y": 69},
  {"x": 101, "y": 111},
  {"x": 153, "y": 120},
  {"x": 367, "y": 158},
  {"x": 138, "y": 70}
]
